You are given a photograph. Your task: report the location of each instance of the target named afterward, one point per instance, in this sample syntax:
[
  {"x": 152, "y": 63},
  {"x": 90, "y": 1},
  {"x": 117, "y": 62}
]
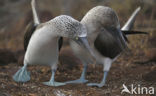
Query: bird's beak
[{"x": 82, "y": 41}]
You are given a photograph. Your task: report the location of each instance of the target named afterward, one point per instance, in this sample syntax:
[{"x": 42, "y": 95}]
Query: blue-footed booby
[
  {"x": 41, "y": 43},
  {"x": 106, "y": 39}
]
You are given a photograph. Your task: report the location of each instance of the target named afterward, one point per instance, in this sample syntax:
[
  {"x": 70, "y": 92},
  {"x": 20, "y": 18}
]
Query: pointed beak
[{"x": 82, "y": 41}]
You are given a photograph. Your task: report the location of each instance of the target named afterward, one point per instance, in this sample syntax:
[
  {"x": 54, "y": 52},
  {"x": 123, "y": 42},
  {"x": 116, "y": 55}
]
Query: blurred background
[{"x": 16, "y": 14}]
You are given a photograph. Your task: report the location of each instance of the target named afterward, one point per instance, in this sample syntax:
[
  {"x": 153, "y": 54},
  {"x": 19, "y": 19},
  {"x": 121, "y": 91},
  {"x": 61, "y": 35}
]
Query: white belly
[{"x": 42, "y": 49}]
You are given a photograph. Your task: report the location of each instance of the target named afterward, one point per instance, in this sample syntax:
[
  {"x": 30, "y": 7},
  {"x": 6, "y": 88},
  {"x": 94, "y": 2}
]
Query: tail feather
[
  {"x": 35, "y": 15},
  {"x": 131, "y": 32},
  {"x": 129, "y": 24}
]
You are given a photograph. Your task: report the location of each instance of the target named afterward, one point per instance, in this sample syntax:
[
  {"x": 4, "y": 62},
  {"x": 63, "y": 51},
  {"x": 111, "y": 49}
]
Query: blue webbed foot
[
  {"x": 96, "y": 84},
  {"x": 50, "y": 83},
  {"x": 81, "y": 80},
  {"x": 22, "y": 75},
  {"x": 102, "y": 82}
]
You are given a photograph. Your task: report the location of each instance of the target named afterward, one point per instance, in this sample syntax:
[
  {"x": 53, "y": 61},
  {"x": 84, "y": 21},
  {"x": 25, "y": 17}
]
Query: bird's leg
[
  {"x": 52, "y": 81},
  {"x": 82, "y": 78},
  {"x": 83, "y": 74},
  {"x": 102, "y": 83},
  {"x": 107, "y": 65},
  {"x": 22, "y": 75}
]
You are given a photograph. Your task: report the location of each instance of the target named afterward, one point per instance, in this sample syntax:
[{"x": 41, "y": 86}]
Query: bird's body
[
  {"x": 96, "y": 24},
  {"x": 42, "y": 42},
  {"x": 42, "y": 48},
  {"x": 42, "y": 45},
  {"x": 106, "y": 39},
  {"x": 105, "y": 18}
]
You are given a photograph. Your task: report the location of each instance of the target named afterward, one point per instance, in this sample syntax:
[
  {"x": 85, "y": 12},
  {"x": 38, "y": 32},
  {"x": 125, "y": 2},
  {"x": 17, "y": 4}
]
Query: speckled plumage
[
  {"x": 68, "y": 26},
  {"x": 41, "y": 44},
  {"x": 61, "y": 26}
]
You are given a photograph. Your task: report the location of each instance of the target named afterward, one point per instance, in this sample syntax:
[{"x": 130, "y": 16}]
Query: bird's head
[{"x": 73, "y": 29}]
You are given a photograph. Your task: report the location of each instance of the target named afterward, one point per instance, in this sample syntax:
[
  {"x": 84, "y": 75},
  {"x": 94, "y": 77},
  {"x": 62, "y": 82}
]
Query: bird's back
[
  {"x": 104, "y": 34},
  {"x": 100, "y": 16},
  {"x": 104, "y": 42}
]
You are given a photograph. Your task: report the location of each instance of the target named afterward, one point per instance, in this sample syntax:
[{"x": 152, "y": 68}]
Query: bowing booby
[
  {"x": 106, "y": 39},
  {"x": 41, "y": 44}
]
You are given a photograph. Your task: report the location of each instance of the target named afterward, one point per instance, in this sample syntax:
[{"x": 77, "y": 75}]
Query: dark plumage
[
  {"x": 31, "y": 27},
  {"x": 106, "y": 40},
  {"x": 28, "y": 33},
  {"x": 60, "y": 43},
  {"x": 132, "y": 32}
]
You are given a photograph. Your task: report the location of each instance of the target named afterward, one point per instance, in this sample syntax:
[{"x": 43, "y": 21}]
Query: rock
[
  {"x": 150, "y": 76},
  {"x": 4, "y": 94},
  {"x": 6, "y": 57},
  {"x": 150, "y": 54},
  {"x": 152, "y": 41},
  {"x": 68, "y": 59},
  {"x": 20, "y": 60},
  {"x": 20, "y": 56}
]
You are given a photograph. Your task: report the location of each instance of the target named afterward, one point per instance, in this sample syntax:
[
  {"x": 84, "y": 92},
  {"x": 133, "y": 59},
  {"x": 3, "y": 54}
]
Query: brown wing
[
  {"x": 30, "y": 28},
  {"x": 109, "y": 43}
]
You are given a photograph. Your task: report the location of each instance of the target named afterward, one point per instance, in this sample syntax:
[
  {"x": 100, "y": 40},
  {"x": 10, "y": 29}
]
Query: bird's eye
[{"x": 76, "y": 38}]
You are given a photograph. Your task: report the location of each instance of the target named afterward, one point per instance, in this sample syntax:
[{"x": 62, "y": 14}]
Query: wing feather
[
  {"x": 28, "y": 33},
  {"x": 110, "y": 42}
]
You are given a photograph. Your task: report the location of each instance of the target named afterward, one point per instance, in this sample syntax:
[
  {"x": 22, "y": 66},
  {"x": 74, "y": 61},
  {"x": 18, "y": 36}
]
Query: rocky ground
[
  {"x": 137, "y": 66},
  {"x": 128, "y": 69}
]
